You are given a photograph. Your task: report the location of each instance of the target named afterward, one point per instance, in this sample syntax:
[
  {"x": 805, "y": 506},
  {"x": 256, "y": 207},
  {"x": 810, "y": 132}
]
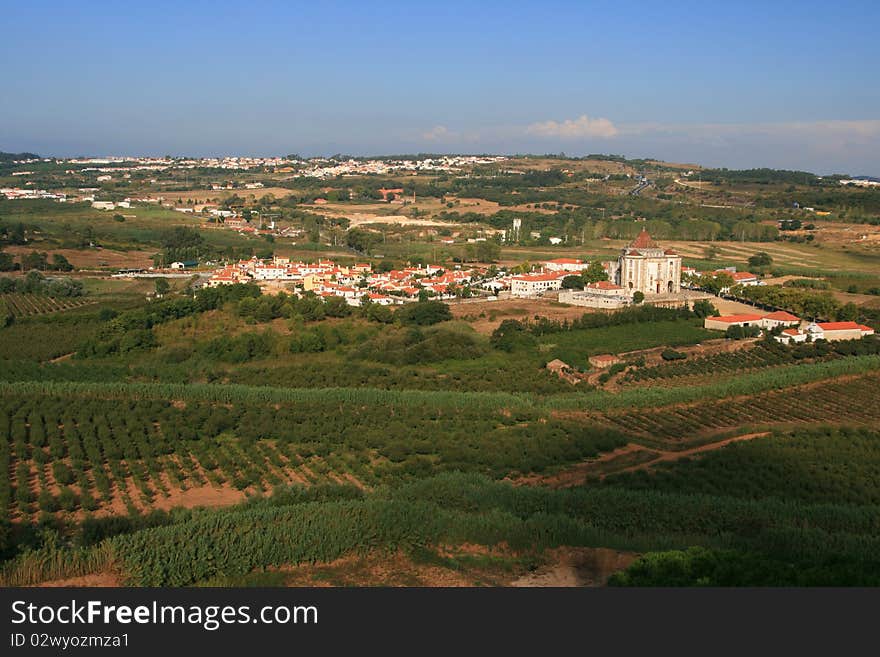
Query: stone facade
[{"x": 645, "y": 267}]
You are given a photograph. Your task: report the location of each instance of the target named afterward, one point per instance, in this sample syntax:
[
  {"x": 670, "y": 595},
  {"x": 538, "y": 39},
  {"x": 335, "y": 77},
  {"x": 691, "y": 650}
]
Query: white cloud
[
  {"x": 438, "y": 133},
  {"x": 578, "y": 128}
]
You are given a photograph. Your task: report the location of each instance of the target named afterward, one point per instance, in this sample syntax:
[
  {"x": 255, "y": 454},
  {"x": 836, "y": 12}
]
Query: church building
[{"x": 643, "y": 266}]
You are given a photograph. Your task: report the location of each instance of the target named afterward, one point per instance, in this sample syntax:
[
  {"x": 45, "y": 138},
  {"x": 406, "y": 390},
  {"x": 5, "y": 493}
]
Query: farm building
[
  {"x": 769, "y": 321},
  {"x": 779, "y": 318},
  {"x": 725, "y": 322},
  {"x": 833, "y": 331},
  {"x": 184, "y": 264},
  {"x": 604, "y": 360}
]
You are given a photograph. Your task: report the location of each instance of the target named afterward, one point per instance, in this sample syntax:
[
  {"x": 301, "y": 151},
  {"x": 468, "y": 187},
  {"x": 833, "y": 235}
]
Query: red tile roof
[
  {"x": 643, "y": 241},
  {"x": 604, "y": 285},
  {"x": 840, "y": 326},
  {"x": 782, "y": 316}
]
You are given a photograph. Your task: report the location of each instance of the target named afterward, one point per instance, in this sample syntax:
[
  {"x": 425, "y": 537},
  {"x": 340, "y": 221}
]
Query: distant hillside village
[{"x": 643, "y": 273}]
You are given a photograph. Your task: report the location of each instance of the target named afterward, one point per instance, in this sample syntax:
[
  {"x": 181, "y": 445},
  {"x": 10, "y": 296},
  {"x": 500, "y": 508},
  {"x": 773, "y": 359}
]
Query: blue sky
[{"x": 737, "y": 84}]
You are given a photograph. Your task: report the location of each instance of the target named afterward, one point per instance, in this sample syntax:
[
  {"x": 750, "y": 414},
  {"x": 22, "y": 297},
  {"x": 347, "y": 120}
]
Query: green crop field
[{"x": 174, "y": 436}]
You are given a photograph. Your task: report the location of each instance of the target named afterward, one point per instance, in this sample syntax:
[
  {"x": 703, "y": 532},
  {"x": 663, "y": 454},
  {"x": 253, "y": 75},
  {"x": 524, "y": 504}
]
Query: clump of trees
[
  {"x": 742, "y": 332},
  {"x": 36, "y": 283},
  {"x": 424, "y": 313}
]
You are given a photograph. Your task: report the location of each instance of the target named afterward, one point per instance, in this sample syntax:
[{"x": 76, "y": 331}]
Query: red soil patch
[{"x": 210, "y": 496}]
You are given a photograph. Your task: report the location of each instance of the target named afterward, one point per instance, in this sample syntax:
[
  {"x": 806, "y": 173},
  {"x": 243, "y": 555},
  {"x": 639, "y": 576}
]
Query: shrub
[{"x": 672, "y": 354}]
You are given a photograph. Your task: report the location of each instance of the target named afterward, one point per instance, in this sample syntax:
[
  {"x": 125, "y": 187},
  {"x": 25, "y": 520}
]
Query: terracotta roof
[
  {"x": 604, "y": 285},
  {"x": 791, "y": 331},
  {"x": 733, "y": 319},
  {"x": 633, "y": 252},
  {"x": 669, "y": 252},
  {"x": 782, "y": 316},
  {"x": 538, "y": 277},
  {"x": 643, "y": 241},
  {"x": 840, "y": 326}
]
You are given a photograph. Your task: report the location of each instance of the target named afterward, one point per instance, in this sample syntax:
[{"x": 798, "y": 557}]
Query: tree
[
  {"x": 423, "y": 314},
  {"x": 594, "y": 273},
  {"x": 638, "y": 297},
  {"x": 60, "y": 263},
  {"x": 716, "y": 282},
  {"x": 35, "y": 260},
  {"x": 376, "y": 312},
  {"x": 704, "y": 308},
  {"x": 336, "y": 307},
  {"x": 848, "y": 313},
  {"x": 361, "y": 240},
  {"x": 488, "y": 251},
  {"x": 573, "y": 282},
  {"x": 7, "y": 262},
  {"x": 511, "y": 335},
  {"x": 760, "y": 260},
  {"x": 162, "y": 287},
  {"x": 737, "y": 332},
  {"x": 181, "y": 237}
]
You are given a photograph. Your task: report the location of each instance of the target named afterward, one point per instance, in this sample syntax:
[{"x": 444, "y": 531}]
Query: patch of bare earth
[
  {"x": 495, "y": 312},
  {"x": 396, "y": 569},
  {"x": 209, "y": 496},
  {"x": 93, "y": 580},
  {"x": 94, "y": 257},
  {"x": 573, "y": 566},
  {"x": 465, "y": 566}
]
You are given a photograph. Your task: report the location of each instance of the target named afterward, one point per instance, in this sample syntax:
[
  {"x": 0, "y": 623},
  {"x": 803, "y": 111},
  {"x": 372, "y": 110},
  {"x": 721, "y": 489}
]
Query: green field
[{"x": 227, "y": 436}]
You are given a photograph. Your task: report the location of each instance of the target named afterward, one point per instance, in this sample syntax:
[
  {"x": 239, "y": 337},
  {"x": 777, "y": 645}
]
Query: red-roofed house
[
  {"x": 779, "y": 318},
  {"x": 791, "y": 335}
]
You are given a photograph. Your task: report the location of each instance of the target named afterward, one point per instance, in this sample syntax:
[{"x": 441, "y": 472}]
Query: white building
[
  {"x": 565, "y": 264},
  {"x": 645, "y": 267},
  {"x": 530, "y": 285}
]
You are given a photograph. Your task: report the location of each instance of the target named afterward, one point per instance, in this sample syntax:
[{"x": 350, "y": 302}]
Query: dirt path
[
  {"x": 577, "y": 474},
  {"x": 675, "y": 456}
]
